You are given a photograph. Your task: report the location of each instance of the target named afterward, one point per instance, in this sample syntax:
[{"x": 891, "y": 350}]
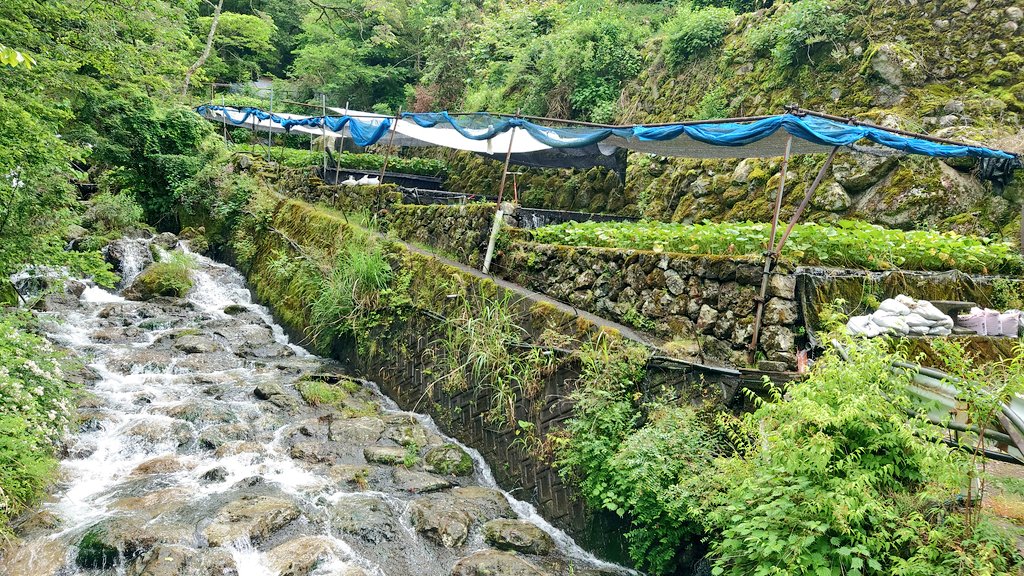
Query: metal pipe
[{"x": 807, "y": 199}]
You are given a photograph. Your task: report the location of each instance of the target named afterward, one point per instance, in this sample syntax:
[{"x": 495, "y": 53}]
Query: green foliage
[
  {"x": 791, "y": 34},
  {"x": 242, "y": 45},
  {"x": 693, "y": 33},
  {"x": 848, "y": 243},
  {"x": 108, "y": 212},
  {"x": 13, "y": 58},
  {"x": 171, "y": 276},
  {"x": 295, "y": 158},
  {"x": 36, "y": 408},
  {"x": 831, "y": 478}
]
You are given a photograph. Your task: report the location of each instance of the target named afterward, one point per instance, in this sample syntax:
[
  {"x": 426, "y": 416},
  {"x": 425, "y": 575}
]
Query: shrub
[
  {"x": 692, "y": 33},
  {"x": 354, "y": 288},
  {"x": 795, "y": 30},
  {"x": 109, "y": 212}
]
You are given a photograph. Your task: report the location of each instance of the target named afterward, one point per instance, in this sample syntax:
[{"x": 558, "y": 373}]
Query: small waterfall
[{"x": 129, "y": 256}]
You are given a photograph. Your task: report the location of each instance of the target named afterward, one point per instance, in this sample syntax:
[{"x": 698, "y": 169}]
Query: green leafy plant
[
  {"x": 848, "y": 243},
  {"x": 36, "y": 412},
  {"x": 693, "y": 33}
]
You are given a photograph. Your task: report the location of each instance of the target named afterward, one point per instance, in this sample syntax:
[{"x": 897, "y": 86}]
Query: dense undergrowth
[
  {"x": 36, "y": 410},
  {"x": 831, "y": 478},
  {"x": 849, "y": 243}
]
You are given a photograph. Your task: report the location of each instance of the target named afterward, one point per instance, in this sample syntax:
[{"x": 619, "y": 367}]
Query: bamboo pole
[
  {"x": 499, "y": 213},
  {"x": 769, "y": 256},
  {"x": 391, "y": 139},
  {"x": 807, "y": 199},
  {"x": 323, "y": 131}
]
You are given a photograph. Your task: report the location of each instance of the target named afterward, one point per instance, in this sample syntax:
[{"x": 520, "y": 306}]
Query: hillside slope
[{"x": 950, "y": 68}]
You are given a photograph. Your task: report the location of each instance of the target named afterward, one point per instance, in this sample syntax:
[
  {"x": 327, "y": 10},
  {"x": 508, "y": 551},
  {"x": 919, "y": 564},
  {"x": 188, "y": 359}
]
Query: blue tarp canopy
[{"x": 762, "y": 137}]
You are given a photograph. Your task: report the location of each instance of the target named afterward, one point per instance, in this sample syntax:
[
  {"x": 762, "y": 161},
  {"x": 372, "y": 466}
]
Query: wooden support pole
[
  {"x": 769, "y": 256},
  {"x": 499, "y": 214},
  {"x": 391, "y": 139},
  {"x": 323, "y": 132},
  {"x": 508, "y": 160},
  {"x": 270, "y": 129},
  {"x": 807, "y": 200}
]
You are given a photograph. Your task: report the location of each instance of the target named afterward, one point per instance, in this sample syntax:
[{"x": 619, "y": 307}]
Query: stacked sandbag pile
[
  {"x": 988, "y": 322},
  {"x": 902, "y": 316}
]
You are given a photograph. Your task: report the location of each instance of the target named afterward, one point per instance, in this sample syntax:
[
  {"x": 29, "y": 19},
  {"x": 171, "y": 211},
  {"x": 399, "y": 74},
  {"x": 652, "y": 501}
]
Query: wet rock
[
  {"x": 98, "y": 550},
  {"x": 494, "y": 562},
  {"x": 163, "y": 560},
  {"x": 351, "y": 474},
  {"x": 41, "y": 556},
  {"x": 157, "y": 432},
  {"x": 74, "y": 288},
  {"x": 366, "y": 517},
  {"x": 518, "y": 535},
  {"x": 273, "y": 393},
  {"x": 407, "y": 431},
  {"x": 446, "y": 517},
  {"x": 166, "y": 240},
  {"x": 197, "y": 411},
  {"x": 192, "y": 344},
  {"x": 163, "y": 465},
  {"x": 214, "y": 437},
  {"x": 779, "y": 311},
  {"x": 239, "y": 447},
  {"x": 313, "y": 451},
  {"x": 208, "y": 362},
  {"x": 419, "y": 482},
  {"x": 235, "y": 309},
  {"x": 58, "y": 302},
  {"x": 137, "y": 360},
  {"x": 448, "y": 459},
  {"x": 300, "y": 556},
  {"x": 255, "y": 517},
  {"x": 214, "y": 475},
  {"x": 390, "y": 455}
]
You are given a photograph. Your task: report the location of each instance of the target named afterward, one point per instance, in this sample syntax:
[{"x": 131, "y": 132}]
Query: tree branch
[{"x": 206, "y": 51}]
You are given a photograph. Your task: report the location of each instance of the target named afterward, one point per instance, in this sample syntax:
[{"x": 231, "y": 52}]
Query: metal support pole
[
  {"x": 807, "y": 199},
  {"x": 508, "y": 160},
  {"x": 769, "y": 256},
  {"x": 391, "y": 139}
]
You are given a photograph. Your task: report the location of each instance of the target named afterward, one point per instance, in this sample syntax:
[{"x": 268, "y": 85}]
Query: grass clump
[
  {"x": 848, "y": 243},
  {"x": 171, "y": 276},
  {"x": 36, "y": 409}
]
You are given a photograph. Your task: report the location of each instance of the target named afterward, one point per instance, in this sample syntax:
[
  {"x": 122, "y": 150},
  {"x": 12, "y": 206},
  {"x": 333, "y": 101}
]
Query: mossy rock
[
  {"x": 95, "y": 551},
  {"x": 160, "y": 279},
  {"x": 449, "y": 459}
]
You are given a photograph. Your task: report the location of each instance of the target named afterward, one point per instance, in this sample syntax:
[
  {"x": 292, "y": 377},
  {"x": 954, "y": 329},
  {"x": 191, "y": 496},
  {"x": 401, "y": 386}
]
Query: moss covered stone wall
[
  {"x": 704, "y": 306},
  {"x": 458, "y": 231}
]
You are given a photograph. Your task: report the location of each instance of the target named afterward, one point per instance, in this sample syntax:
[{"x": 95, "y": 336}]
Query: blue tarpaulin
[{"x": 757, "y": 138}]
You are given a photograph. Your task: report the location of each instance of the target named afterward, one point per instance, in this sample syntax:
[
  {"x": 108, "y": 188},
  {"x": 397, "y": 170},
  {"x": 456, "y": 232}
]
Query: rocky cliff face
[{"x": 950, "y": 68}]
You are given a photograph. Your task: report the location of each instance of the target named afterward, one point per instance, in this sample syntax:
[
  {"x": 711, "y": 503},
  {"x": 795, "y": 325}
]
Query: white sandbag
[
  {"x": 992, "y": 322},
  {"x": 894, "y": 308},
  {"x": 893, "y": 324},
  {"x": 1009, "y": 323},
  {"x": 939, "y": 331},
  {"x": 928, "y": 310},
  {"x": 919, "y": 330},
  {"x": 905, "y": 300},
  {"x": 863, "y": 326},
  {"x": 915, "y": 320},
  {"x": 975, "y": 321}
]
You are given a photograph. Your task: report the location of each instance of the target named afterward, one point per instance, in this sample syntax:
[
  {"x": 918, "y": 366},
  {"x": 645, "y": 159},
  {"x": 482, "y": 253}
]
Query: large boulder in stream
[
  {"x": 300, "y": 556},
  {"x": 446, "y": 517},
  {"x": 518, "y": 535},
  {"x": 253, "y": 517},
  {"x": 493, "y": 563}
]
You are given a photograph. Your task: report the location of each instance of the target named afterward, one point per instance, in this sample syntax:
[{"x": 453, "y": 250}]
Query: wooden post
[
  {"x": 499, "y": 214},
  {"x": 323, "y": 132},
  {"x": 391, "y": 139},
  {"x": 341, "y": 147},
  {"x": 807, "y": 199},
  {"x": 769, "y": 256},
  {"x": 270, "y": 131}
]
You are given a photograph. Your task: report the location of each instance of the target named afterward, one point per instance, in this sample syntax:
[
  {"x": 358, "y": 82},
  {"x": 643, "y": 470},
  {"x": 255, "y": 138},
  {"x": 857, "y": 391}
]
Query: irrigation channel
[{"x": 197, "y": 455}]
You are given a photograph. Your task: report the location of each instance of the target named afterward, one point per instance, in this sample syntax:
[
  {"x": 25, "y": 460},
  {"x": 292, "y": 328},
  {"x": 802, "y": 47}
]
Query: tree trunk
[{"x": 206, "y": 51}]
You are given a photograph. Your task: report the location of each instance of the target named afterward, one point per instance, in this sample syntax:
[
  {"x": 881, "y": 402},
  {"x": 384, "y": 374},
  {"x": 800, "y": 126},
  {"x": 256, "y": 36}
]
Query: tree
[{"x": 206, "y": 51}]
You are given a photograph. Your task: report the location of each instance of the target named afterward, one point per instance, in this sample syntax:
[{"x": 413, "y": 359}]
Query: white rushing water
[{"x": 161, "y": 421}]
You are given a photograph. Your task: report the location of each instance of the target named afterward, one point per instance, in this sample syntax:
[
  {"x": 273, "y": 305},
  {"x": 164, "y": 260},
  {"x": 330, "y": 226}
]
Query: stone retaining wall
[
  {"x": 459, "y": 232},
  {"x": 705, "y": 304}
]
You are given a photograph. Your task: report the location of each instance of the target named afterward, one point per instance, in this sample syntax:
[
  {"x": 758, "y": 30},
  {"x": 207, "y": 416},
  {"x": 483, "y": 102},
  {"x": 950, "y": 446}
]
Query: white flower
[{"x": 38, "y": 390}]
